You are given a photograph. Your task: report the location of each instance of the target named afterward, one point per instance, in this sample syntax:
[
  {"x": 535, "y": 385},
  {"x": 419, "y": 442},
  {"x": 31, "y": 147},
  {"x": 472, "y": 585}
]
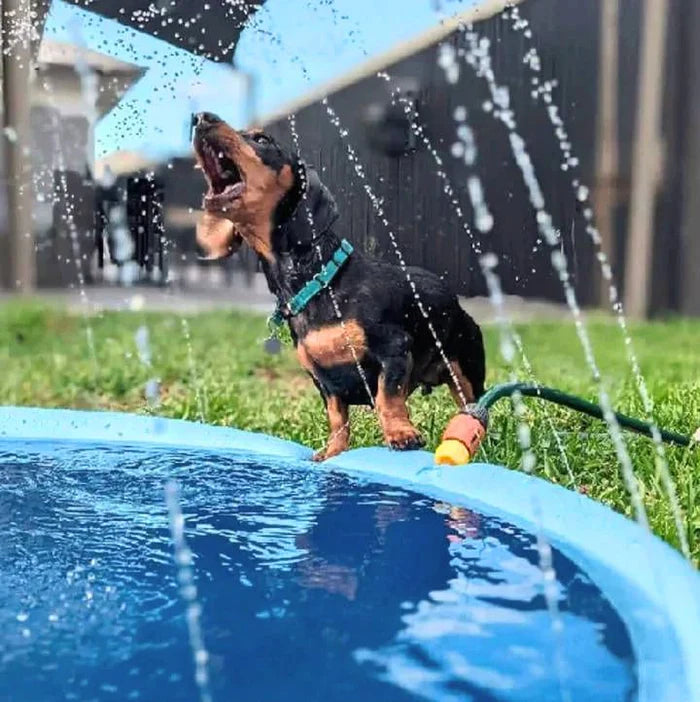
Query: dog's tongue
[
  {"x": 234, "y": 190},
  {"x": 230, "y": 191}
]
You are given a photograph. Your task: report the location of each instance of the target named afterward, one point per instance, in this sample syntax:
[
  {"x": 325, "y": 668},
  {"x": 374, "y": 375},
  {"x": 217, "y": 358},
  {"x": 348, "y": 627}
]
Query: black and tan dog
[{"x": 262, "y": 194}]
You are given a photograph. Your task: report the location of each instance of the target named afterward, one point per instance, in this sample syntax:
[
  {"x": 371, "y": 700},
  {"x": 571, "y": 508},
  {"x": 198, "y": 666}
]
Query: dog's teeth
[{"x": 198, "y": 167}]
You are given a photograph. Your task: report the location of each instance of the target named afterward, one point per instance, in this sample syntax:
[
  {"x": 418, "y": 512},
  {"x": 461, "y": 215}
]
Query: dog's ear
[
  {"x": 319, "y": 201},
  {"x": 307, "y": 211},
  {"x": 217, "y": 237}
]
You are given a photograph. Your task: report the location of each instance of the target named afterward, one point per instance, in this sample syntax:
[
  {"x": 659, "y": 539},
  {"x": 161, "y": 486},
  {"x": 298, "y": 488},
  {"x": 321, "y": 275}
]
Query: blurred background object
[{"x": 626, "y": 78}]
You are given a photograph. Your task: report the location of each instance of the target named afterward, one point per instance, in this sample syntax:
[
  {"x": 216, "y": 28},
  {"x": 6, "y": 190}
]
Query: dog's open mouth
[{"x": 225, "y": 180}]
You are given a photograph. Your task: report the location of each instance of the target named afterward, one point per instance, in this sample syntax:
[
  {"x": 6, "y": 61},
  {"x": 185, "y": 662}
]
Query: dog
[{"x": 362, "y": 337}]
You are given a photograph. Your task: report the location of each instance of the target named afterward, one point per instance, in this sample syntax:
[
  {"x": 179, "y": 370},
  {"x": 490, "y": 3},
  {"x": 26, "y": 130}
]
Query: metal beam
[
  {"x": 182, "y": 23},
  {"x": 16, "y": 58}
]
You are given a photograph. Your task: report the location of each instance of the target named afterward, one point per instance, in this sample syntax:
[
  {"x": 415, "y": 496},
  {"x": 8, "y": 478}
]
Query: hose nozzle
[{"x": 462, "y": 437}]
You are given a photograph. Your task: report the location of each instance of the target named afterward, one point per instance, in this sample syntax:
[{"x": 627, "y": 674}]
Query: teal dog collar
[{"x": 320, "y": 281}]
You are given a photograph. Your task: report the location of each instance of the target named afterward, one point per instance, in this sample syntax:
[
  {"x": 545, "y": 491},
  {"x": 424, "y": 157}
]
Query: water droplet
[
  {"x": 152, "y": 391},
  {"x": 489, "y": 261},
  {"x": 457, "y": 149},
  {"x": 484, "y": 221}
]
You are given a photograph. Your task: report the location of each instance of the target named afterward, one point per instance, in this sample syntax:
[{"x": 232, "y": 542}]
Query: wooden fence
[{"x": 567, "y": 36}]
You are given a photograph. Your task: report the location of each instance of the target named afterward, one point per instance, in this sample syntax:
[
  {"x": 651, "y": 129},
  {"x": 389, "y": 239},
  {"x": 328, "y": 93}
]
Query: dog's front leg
[
  {"x": 399, "y": 432},
  {"x": 339, "y": 426}
]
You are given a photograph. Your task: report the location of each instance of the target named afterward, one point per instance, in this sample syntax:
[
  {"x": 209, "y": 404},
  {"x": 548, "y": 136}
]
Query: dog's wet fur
[{"x": 264, "y": 195}]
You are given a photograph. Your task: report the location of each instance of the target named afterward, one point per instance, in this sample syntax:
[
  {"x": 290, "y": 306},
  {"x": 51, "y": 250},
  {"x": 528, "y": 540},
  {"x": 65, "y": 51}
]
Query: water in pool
[{"x": 313, "y": 586}]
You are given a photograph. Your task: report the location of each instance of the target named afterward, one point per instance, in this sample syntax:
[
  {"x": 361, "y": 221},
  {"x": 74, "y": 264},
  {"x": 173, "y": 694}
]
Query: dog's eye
[{"x": 261, "y": 139}]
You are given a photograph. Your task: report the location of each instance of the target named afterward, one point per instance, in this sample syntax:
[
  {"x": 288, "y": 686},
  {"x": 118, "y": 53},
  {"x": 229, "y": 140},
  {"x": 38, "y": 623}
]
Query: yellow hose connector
[
  {"x": 461, "y": 439},
  {"x": 452, "y": 452}
]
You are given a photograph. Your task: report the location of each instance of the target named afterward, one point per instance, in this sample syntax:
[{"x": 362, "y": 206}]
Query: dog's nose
[{"x": 206, "y": 119}]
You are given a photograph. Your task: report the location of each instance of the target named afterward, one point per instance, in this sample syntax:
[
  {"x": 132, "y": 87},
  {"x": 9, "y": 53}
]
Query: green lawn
[{"x": 46, "y": 361}]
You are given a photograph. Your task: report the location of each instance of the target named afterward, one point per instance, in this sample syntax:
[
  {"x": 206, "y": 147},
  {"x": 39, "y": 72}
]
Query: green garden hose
[{"x": 464, "y": 433}]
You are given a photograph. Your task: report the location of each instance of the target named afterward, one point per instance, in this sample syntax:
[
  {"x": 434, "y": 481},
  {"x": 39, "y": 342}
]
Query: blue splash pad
[{"x": 650, "y": 588}]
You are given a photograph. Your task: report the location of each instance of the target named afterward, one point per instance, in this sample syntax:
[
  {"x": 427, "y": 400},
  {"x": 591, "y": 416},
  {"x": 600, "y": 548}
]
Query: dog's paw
[
  {"x": 330, "y": 451},
  {"x": 412, "y": 444},
  {"x": 405, "y": 440}
]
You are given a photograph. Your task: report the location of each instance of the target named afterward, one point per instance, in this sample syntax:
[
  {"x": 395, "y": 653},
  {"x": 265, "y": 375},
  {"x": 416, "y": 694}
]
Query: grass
[{"x": 224, "y": 377}]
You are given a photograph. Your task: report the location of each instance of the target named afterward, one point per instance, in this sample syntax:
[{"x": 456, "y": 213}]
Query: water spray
[{"x": 465, "y": 432}]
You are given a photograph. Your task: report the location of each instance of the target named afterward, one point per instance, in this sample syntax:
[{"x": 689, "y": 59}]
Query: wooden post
[
  {"x": 690, "y": 224},
  {"x": 646, "y": 159},
  {"x": 4, "y": 262},
  {"x": 605, "y": 194},
  {"x": 16, "y": 71}
]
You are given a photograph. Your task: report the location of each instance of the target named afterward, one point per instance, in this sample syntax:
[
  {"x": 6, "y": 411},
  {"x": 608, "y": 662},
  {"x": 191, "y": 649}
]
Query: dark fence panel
[
  {"x": 421, "y": 215},
  {"x": 566, "y": 33},
  {"x": 71, "y": 233}
]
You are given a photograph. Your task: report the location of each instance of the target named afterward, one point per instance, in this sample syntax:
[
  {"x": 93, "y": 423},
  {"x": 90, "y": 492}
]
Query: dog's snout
[{"x": 206, "y": 119}]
